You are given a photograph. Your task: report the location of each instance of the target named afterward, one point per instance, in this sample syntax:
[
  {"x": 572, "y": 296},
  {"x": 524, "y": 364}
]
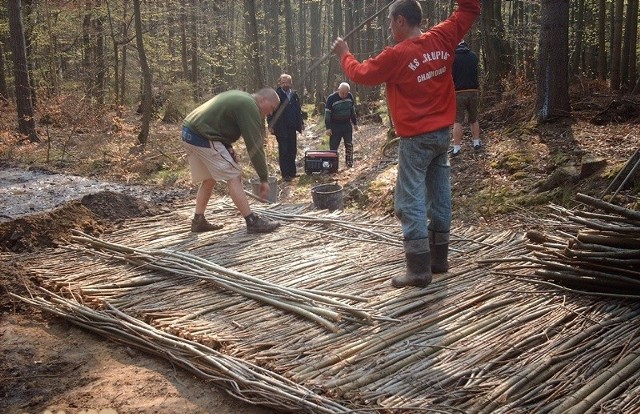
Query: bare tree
[
  {"x": 147, "y": 97},
  {"x": 26, "y": 115},
  {"x": 498, "y": 52},
  {"x": 4, "y": 90},
  {"x": 193, "y": 26},
  {"x": 316, "y": 53},
  {"x": 629, "y": 48},
  {"x": 553, "y": 61},
  {"x": 602, "y": 38},
  {"x": 616, "y": 45},
  {"x": 251, "y": 25},
  {"x": 290, "y": 46},
  {"x": 272, "y": 39}
]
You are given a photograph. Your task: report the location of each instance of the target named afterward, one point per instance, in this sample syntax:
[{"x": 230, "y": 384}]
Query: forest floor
[{"x": 91, "y": 176}]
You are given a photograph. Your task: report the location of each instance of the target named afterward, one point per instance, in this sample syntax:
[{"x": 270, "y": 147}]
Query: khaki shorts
[
  {"x": 214, "y": 162},
  {"x": 467, "y": 101}
]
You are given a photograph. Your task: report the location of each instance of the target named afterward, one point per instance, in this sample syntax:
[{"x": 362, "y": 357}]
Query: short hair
[
  {"x": 409, "y": 9},
  {"x": 268, "y": 94},
  {"x": 284, "y": 76},
  {"x": 344, "y": 85}
]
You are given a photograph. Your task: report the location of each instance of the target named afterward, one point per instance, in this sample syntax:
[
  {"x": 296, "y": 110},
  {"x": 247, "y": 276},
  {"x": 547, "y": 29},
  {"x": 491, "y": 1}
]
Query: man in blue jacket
[
  {"x": 465, "y": 79},
  {"x": 285, "y": 123}
]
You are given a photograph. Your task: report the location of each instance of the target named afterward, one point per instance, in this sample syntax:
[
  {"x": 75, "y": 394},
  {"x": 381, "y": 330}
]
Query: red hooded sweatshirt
[{"x": 417, "y": 73}]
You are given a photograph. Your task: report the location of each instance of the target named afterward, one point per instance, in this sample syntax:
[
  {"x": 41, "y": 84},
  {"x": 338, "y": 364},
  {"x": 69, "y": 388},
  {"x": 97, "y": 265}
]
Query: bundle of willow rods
[
  {"x": 592, "y": 252},
  {"x": 239, "y": 378},
  {"x": 310, "y": 304}
]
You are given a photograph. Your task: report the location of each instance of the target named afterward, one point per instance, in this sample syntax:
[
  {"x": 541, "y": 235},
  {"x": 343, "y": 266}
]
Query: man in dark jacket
[
  {"x": 465, "y": 79},
  {"x": 339, "y": 114},
  {"x": 285, "y": 123}
]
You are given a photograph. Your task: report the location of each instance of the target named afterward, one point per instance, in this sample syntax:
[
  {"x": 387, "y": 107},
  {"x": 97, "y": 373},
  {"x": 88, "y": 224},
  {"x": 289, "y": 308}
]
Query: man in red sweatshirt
[{"x": 421, "y": 97}]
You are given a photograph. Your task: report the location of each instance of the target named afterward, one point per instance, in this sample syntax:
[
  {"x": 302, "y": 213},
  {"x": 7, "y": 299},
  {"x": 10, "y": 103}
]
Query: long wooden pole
[{"x": 355, "y": 29}]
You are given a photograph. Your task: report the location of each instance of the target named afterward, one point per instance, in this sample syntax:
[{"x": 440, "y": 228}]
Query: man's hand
[
  {"x": 355, "y": 127},
  {"x": 271, "y": 131},
  {"x": 340, "y": 47},
  {"x": 265, "y": 188},
  {"x": 328, "y": 132},
  {"x": 232, "y": 153}
]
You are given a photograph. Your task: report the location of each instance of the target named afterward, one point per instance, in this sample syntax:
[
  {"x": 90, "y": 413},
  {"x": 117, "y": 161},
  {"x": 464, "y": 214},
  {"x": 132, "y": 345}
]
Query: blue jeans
[{"x": 423, "y": 191}]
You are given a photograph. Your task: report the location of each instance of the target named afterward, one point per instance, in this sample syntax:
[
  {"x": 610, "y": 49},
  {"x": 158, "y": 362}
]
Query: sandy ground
[{"x": 51, "y": 365}]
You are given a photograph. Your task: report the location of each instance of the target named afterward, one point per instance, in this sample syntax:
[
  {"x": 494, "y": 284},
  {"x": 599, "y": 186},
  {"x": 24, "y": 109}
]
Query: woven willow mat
[{"x": 475, "y": 340}]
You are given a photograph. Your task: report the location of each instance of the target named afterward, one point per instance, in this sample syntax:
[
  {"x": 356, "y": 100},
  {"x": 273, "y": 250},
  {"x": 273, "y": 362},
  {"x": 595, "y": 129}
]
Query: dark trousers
[
  {"x": 342, "y": 132},
  {"x": 287, "y": 150},
  {"x": 339, "y": 132}
]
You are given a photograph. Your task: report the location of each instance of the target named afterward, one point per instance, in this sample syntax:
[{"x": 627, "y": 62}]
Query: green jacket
[{"x": 225, "y": 118}]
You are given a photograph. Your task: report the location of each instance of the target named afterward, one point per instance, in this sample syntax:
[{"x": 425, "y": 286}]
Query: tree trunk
[
  {"x": 116, "y": 54},
  {"x": 316, "y": 40},
  {"x": 272, "y": 47},
  {"x": 87, "y": 50},
  {"x": 616, "y": 45},
  {"x": 125, "y": 37},
  {"x": 334, "y": 73},
  {"x": 52, "y": 85},
  {"x": 552, "y": 73},
  {"x": 193, "y": 25},
  {"x": 4, "y": 89},
  {"x": 146, "y": 76},
  {"x": 629, "y": 52},
  {"x": 498, "y": 53},
  {"x": 183, "y": 39},
  {"x": 99, "y": 66},
  {"x": 303, "y": 61},
  {"x": 26, "y": 115},
  {"x": 290, "y": 47},
  {"x": 579, "y": 32},
  {"x": 256, "y": 80},
  {"x": 602, "y": 39}
]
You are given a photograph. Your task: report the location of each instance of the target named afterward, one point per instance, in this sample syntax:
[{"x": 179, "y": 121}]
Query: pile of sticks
[{"x": 595, "y": 250}]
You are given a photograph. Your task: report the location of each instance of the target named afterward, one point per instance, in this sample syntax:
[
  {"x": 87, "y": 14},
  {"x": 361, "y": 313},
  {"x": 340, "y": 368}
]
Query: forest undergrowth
[{"x": 522, "y": 167}]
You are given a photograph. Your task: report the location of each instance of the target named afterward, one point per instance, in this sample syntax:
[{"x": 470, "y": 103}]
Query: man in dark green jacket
[{"x": 208, "y": 134}]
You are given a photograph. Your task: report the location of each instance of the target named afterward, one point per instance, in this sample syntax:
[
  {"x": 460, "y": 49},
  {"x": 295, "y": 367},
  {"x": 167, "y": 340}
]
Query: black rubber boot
[
  {"x": 439, "y": 258},
  {"x": 418, "y": 271},
  {"x": 439, "y": 247},
  {"x": 348, "y": 155}
]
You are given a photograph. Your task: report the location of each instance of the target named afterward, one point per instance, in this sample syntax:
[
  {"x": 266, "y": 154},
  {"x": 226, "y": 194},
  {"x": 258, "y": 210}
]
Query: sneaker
[
  {"x": 453, "y": 153},
  {"x": 287, "y": 178},
  {"x": 259, "y": 224},
  {"x": 477, "y": 147},
  {"x": 200, "y": 225}
]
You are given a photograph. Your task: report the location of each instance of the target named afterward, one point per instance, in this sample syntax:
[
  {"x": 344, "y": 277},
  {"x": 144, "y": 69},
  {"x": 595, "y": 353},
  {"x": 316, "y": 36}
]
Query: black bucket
[{"x": 327, "y": 197}]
